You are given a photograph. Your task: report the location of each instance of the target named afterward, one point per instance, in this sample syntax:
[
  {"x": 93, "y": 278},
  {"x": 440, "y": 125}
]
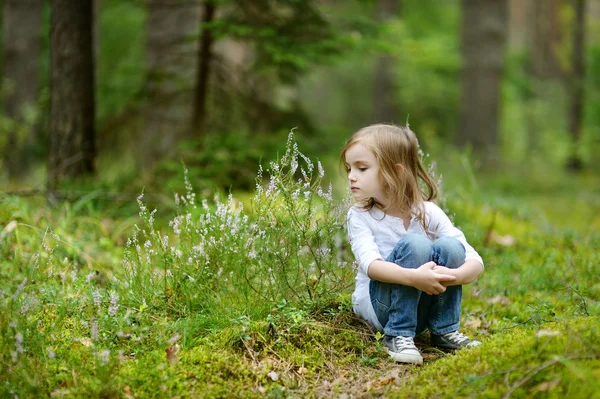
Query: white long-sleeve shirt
[{"x": 373, "y": 235}]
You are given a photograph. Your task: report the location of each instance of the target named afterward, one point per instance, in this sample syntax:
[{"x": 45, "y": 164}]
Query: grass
[{"x": 96, "y": 302}]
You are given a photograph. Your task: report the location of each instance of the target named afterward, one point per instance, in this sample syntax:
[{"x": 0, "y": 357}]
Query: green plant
[{"x": 288, "y": 246}]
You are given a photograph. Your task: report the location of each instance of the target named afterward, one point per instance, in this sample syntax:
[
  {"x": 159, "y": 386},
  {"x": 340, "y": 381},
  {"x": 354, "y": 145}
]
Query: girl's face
[{"x": 363, "y": 174}]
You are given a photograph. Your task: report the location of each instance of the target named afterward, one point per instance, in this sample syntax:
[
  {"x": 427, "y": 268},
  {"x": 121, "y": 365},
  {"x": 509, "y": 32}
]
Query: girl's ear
[{"x": 400, "y": 167}]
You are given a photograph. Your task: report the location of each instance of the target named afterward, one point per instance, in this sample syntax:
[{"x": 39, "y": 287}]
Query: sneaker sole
[{"x": 406, "y": 358}]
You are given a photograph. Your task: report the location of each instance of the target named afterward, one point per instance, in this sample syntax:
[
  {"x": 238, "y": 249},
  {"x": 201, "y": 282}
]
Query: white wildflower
[
  {"x": 19, "y": 342},
  {"x": 320, "y": 168},
  {"x": 174, "y": 338},
  {"x": 151, "y": 220},
  {"x": 114, "y": 304},
  {"x": 95, "y": 333},
  {"x": 97, "y": 297},
  {"x": 105, "y": 357}
]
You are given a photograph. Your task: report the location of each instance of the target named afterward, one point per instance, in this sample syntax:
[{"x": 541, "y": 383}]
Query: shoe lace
[
  {"x": 405, "y": 342},
  {"x": 457, "y": 337}
]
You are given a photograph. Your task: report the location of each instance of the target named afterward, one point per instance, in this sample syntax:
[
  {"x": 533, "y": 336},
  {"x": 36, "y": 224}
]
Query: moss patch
[{"x": 553, "y": 360}]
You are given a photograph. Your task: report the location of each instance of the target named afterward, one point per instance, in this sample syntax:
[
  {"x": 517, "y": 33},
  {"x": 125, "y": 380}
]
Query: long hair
[{"x": 393, "y": 145}]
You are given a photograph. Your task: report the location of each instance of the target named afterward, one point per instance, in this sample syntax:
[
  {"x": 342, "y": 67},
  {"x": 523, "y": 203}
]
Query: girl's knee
[
  {"x": 450, "y": 250},
  {"x": 417, "y": 243},
  {"x": 411, "y": 251},
  {"x": 418, "y": 246}
]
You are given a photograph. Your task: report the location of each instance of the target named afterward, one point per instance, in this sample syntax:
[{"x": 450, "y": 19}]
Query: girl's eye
[{"x": 362, "y": 169}]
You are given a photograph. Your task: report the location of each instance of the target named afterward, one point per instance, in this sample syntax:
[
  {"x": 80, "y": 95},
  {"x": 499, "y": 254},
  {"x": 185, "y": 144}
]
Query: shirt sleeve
[
  {"x": 362, "y": 241},
  {"x": 441, "y": 226}
]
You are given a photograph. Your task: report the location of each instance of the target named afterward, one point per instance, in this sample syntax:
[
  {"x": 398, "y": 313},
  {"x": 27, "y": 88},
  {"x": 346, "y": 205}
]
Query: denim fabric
[{"x": 406, "y": 311}]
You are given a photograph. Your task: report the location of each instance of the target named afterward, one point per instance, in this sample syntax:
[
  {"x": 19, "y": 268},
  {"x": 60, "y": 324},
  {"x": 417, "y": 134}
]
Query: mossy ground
[{"x": 536, "y": 309}]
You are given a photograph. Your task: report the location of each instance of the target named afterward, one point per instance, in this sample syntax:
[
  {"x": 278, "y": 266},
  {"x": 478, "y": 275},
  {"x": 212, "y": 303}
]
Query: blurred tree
[
  {"x": 97, "y": 13},
  {"x": 577, "y": 95},
  {"x": 171, "y": 41},
  {"x": 278, "y": 41},
  {"x": 385, "y": 107},
  {"x": 22, "y": 21},
  {"x": 544, "y": 34},
  {"x": 204, "y": 61},
  {"x": 544, "y": 37},
  {"x": 518, "y": 26},
  {"x": 71, "y": 144},
  {"x": 484, "y": 31},
  {"x": 247, "y": 57}
]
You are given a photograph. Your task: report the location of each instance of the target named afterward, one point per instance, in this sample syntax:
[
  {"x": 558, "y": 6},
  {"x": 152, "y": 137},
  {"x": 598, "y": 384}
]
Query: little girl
[{"x": 412, "y": 262}]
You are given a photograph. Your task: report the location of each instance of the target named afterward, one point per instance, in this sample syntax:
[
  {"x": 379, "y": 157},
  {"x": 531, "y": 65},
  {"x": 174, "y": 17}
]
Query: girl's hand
[
  {"x": 442, "y": 270},
  {"x": 449, "y": 272},
  {"x": 428, "y": 280}
]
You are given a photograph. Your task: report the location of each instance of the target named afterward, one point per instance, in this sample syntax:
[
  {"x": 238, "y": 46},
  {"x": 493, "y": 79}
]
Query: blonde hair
[{"x": 393, "y": 145}]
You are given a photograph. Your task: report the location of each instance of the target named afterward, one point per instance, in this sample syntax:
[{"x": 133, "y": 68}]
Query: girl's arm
[
  {"x": 465, "y": 274},
  {"x": 424, "y": 278},
  {"x": 473, "y": 266}
]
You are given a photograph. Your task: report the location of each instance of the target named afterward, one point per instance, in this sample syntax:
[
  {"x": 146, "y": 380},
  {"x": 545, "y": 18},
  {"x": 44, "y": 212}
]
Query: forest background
[{"x": 113, "y": 293}]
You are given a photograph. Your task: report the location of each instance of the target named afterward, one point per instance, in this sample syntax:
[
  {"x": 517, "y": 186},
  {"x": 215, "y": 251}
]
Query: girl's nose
[{"x": 351, "y": 177}]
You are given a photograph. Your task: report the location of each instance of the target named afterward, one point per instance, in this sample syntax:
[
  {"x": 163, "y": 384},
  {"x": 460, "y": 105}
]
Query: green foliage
[
  {"x": 423, "y": 44},
  {"x": 121, "y": 68},
  {"x": 289, "y": 37},
  {"x": 427, "y": 55},
  {"x": 222, "y": 162},
  {"x": 288, "y": 246}
]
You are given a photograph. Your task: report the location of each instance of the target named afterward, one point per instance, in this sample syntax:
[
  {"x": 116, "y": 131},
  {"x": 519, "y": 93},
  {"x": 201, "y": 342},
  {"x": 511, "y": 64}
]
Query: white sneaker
[{"x": 403, "y": 349}]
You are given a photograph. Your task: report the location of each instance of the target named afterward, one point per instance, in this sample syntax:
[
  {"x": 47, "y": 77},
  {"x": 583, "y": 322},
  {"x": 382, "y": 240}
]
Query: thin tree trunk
[
  {"x": 384, "y": 104},
  {"x": 171, "y": 43},
  {"x": 519, "y": 23},
  {"x": 96, "y": 38},
  {"x": 543, "y": 40},
  {"x": 203, "y": 71},
  {"x": 484, "y": 31},
  {"x": 22, "y": 21},
  {"x": 574, "y": 162},
  {"x": 545, "y": 36},
  {"x": 71, "y": 144}
]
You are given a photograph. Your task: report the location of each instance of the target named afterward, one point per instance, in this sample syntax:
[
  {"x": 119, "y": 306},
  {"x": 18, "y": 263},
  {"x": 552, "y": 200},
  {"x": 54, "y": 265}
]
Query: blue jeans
[{"x": 406, "y": 311}]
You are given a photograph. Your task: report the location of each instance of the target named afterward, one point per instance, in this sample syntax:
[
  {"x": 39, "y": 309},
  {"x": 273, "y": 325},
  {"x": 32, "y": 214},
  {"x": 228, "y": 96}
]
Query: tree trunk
[
  {"x": 544, "y": 38},
  {"x": 543, "y": 34},
  {"x": 484, "y": 31},
  {"x": 71, "y": 144},
  {"x": 203, "y": 70},
  {"x": 21, "y": 47},
  {"x": 574, "y": 162},
  {"x": 385, "y": 109},
  {"x": 519, "y": 23},
  {"x": 97, "y": 15},
  {"x": 171, "y": 43}
]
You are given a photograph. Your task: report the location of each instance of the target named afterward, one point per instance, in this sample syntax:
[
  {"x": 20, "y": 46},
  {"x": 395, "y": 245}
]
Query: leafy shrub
[{"x": 215, "y": 255}]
